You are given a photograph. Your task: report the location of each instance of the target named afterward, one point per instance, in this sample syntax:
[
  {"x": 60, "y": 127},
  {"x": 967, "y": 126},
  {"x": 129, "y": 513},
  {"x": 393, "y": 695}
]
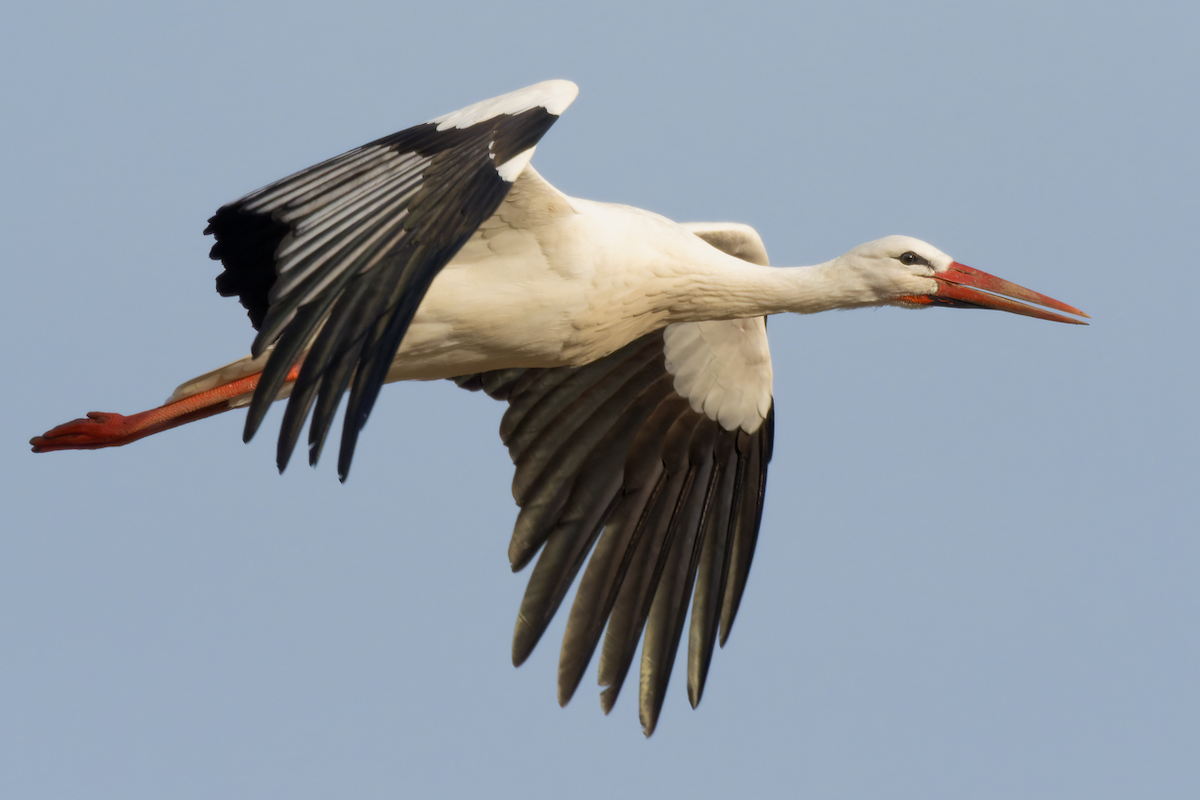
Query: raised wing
[
  {"x": 335, "y": 259},
  {"x": 613, "y": 459}
]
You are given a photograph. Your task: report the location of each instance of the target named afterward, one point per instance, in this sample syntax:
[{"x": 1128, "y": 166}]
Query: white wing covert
[{"x": 723, "y": 367}]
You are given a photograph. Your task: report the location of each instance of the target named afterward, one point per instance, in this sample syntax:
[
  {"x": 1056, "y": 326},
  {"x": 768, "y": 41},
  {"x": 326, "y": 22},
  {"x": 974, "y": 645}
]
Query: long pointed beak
[{"x": 961, "y": 286}]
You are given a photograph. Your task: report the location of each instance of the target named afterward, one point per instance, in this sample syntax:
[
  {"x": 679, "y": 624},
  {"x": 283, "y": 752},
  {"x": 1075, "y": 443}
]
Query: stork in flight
[{"x": 632, "y": 352}]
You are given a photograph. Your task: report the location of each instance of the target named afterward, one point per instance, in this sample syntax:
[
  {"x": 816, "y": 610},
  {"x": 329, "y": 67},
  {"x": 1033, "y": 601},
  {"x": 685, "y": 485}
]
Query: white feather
[{"x": 554, "y": 96}]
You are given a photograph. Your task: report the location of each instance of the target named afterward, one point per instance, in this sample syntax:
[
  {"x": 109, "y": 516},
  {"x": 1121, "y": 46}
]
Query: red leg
[{"x": 103, "y": 429}]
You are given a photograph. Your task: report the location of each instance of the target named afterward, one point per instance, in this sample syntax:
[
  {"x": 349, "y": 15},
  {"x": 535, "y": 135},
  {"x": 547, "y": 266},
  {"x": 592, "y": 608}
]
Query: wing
[
  {"x": 335, "y": 259},
  {"x": 650, "y": 462}
]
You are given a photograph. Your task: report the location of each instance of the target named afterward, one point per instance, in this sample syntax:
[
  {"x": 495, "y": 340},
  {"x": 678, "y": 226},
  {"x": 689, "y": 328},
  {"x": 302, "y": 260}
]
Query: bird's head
[{"x": 907, "y": 272}]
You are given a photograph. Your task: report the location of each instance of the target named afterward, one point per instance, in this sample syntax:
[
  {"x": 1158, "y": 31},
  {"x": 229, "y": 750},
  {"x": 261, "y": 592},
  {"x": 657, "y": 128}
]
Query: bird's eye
[{"x": 911, "y": 259}]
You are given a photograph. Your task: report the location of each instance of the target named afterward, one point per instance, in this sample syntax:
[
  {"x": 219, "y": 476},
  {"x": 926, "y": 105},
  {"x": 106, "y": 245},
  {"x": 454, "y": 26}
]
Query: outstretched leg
[{"x": 104, "y": 429}]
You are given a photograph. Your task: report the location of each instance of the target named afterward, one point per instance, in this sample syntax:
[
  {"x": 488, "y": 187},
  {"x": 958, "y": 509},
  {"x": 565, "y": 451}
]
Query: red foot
[
  {"x": 103, "y": 429},
  {"x": 99, "y": 429}
]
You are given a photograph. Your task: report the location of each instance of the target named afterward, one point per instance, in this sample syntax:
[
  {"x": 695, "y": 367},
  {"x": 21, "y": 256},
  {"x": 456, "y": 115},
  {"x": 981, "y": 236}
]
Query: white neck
[{"x": 735, "y": 289}]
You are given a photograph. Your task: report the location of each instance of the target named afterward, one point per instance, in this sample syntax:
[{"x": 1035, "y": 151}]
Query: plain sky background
[{"x": 978, "y": 571}]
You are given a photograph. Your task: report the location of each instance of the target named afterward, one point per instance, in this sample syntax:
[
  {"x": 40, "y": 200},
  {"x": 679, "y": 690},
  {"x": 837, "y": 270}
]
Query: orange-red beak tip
[{"x": 960, "y": 284}]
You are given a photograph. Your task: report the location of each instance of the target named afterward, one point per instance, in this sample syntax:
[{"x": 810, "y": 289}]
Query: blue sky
[{"x": 978, "y": 569}]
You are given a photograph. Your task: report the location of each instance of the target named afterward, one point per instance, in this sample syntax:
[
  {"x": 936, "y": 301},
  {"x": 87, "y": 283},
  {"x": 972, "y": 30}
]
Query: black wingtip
[
  {"x": 346, "y": 452},
  {"x": 349, "y": 442},
  {"x": 525, "y": 639},
  {"x": 648, "y": 727},
  {"x": 245, "y": 245},
  {"x": 254, "y": 417},
  {"x": 608, "y": 698},
  {"x": 564, "y": 696}
]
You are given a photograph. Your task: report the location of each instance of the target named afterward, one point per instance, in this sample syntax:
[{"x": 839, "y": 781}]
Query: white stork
[{"x": 632, "y": 352}]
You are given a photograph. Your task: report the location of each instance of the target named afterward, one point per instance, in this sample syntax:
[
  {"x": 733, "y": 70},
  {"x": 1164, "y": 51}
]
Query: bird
[{"x": 631, "y": 350}]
